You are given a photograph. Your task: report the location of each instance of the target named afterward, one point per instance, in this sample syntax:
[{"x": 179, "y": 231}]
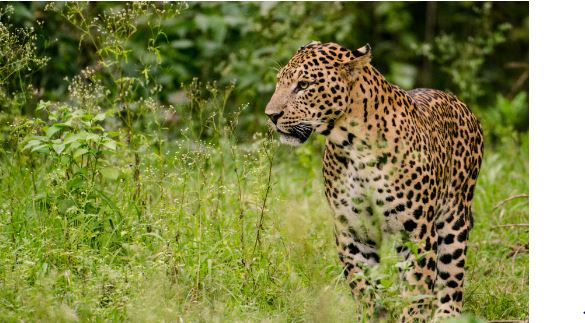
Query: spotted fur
[{"x": 395, "y": 161}]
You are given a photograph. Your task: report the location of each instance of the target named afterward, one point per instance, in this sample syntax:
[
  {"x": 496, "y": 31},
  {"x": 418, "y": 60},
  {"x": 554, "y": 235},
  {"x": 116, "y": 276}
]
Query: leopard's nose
[{"x": 274, "y": 116}]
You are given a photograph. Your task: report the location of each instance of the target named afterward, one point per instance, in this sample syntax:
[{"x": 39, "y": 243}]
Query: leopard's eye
[{"x": 303, "y": 85}]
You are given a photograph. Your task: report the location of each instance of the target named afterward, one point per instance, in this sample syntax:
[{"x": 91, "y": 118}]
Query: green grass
[{"x": 205, "y": 241}]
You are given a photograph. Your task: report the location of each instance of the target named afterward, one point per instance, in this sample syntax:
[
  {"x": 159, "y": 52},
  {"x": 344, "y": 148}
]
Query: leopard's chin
[{"x": 290, "y": 140}]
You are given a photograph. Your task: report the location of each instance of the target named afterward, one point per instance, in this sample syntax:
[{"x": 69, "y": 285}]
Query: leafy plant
[
  {"x": 462, "y": 60},
  {"x": 507, "y": 119},
  {"x": 74, "y": 137},
  {"x": 19, "y": 61}
]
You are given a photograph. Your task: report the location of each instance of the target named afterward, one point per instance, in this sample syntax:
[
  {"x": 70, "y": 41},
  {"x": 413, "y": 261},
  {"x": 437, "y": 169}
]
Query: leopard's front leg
[
  {"x": 357, "y": 233},
  {"x": 419, "y": 249},
  {"x": 358, "y": 252}
]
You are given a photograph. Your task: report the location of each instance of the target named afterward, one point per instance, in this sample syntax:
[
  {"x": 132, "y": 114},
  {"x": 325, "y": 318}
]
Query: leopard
[{"x": 396, "y": 163}]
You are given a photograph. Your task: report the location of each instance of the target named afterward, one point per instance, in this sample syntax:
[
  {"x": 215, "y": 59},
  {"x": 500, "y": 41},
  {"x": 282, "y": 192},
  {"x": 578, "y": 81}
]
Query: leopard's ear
[
  {"x": 364, "y": 50},
  {"x": 362, "y": 57},
  {"x": 313, "y": 43}
]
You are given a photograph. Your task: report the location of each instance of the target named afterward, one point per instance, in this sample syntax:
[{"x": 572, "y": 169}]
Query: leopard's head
[{"x": 313, "y": 89}]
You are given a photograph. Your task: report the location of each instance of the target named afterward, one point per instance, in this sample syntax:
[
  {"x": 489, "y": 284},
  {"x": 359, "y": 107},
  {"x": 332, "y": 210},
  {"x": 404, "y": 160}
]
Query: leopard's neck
[{"x": 376, "y": 114}]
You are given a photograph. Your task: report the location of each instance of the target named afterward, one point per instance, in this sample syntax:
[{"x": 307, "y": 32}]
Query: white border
[{"x": 557, "y": 148}]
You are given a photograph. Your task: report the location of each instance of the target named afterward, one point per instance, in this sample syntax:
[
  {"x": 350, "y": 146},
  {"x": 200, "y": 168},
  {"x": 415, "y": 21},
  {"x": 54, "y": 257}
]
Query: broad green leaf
[
  {"x": 110, "y": 144},
  {"x": 79, "y": 152},
  {"x": 71, "y": 137},
  {"x": 74, "y": 145},
  {"x": 43, "y": 147},
  {"x": 52, "y": 130},
  {"x": 110, "y": 173},
  {"x": 92, "y": 137},
  {"x": 82, "y": 135},
  {"x": 31, "y": 144},
  {"x": 59, "y": 148}
]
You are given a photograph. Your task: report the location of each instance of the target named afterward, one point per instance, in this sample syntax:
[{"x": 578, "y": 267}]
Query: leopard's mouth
[{"x": 296, "y": 134}]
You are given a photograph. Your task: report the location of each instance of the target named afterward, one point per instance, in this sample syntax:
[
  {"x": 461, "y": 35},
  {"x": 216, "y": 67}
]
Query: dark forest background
[{"x": 477, "y": 50}]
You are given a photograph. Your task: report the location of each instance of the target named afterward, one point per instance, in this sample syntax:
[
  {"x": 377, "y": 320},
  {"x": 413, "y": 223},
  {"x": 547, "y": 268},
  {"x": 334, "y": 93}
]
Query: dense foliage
[
  {"x": 476, "y": 50},
  {"x": 138, "y": 180}
]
